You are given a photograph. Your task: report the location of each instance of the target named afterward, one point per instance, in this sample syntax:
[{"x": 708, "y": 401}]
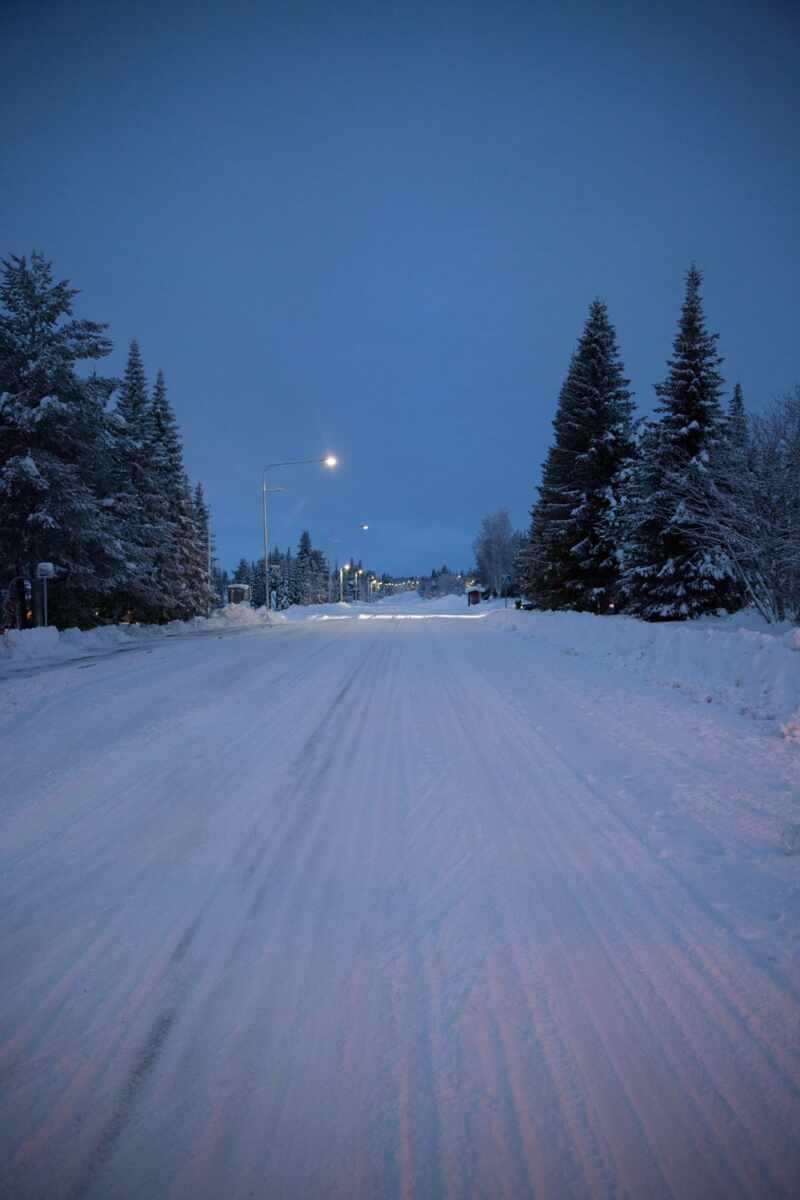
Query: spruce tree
[
  {"x": 221, "y": 581},
  {"x": 175, "y": 528},
  {"x": 204, "y": 596},
  {"x": 670, "y": 573},
  {"x": 571, "y": 558},
  {"x": 53, "y": 444},
  {"x": 286, "y": 567},
  {"x": 191, "y": 575},
  {"x": 133, "y": 489},
  {"x": 737, "y": 423},
  {"x": 302, "y": 582},
  {"x": 259, "y": 585}
]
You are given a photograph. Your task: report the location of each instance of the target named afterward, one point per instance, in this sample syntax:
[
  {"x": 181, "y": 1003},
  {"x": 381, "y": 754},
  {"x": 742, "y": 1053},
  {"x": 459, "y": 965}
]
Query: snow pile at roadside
[
  {"x": 31, "y": 646},
  {"x": 737, "y": 661}
]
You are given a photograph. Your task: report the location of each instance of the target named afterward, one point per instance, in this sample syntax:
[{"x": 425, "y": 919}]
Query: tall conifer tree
[
  {"x": 669, "y": 573},
  {"x": 176, "y": 510},
  {"x": 571, "y": 560},
  {"x": 53, "y": 442}
]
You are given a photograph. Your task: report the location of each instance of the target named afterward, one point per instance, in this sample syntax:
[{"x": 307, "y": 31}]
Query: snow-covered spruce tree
[
  {"x": 53, "y": 443},
  {"x": 221, "y": 580},
  {"x": 258, "y": 594},
  {"x": 243, "y": 572},
  {"x": 319, "y": 577},
  {"x": 202, "y": 553},
  {"x": 135, "y": 492},
  {"x": 670, "y": 572},
  {"x": 287, "y": 581},
  {"x": 193, "y": 559},
  {"x": 174, "y": 549},
  {"x": 737, "y": 431},
  {"x": 286, "y": 568},
  {"x": 571, "y": 559},
  {"x": 302, "y": 587}
]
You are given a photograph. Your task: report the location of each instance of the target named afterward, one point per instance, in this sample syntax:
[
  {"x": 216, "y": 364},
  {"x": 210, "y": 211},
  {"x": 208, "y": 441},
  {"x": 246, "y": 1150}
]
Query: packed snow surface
[{"x": 403, "y": 900}]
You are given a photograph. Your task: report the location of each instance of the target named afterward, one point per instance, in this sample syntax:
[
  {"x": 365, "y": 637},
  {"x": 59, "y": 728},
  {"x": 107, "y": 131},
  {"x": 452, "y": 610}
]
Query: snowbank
[
  {"x": 737, "y": 661},
  {"x": 20, "y": 647}
]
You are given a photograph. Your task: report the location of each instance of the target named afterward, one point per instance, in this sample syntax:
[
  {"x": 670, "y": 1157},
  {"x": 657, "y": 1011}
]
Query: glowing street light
[
  {"x": 342, "y": 570},
  {"x": 329, "y": 460}
]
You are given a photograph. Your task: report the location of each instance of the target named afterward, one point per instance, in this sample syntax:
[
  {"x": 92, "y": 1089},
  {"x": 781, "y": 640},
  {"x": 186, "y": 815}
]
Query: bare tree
[
  {"x": 496, "y": 548},
  {"x": 749, "y": 509}
]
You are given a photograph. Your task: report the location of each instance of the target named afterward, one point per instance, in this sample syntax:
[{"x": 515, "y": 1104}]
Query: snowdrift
[
  {"x": 737, "y": 661},
  {"x": 30, "y": 646}
]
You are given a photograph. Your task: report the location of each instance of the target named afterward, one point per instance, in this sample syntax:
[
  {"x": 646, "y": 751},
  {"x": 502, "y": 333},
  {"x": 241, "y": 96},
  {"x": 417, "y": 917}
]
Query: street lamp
[
  {"x": 342, "y": 570},
  {"x": 328, "y": 460}
]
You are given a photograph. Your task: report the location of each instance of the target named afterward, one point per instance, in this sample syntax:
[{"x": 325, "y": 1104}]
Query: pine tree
[
  {"x": 571, "y": 559},
  {"x": 670, "y": 574},
  {"x": 53, "y": 443}
]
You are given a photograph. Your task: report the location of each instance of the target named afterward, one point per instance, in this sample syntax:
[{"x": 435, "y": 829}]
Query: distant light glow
[
  {"x": 331, "y": 460},
  {"x": 422, "y": 616}
]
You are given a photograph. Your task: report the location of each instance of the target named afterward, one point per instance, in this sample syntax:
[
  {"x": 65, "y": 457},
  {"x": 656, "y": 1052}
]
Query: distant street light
[
  {"x": 342, "y": 570},
  {"x": 329, "y": 460}
]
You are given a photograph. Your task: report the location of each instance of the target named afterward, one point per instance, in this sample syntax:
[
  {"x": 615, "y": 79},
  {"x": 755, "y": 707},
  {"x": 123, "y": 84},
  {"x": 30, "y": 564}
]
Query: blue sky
[{"x": 376, "y": 228}]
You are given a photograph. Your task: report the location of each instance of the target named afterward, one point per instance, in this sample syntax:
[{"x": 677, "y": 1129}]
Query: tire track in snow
[{"x": 556, "y": 832}]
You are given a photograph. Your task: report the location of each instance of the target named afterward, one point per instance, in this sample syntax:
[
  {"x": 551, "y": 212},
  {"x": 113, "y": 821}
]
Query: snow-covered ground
[
  {"x": 478, "y": 905},
  {"x": 22, "y": 648}
]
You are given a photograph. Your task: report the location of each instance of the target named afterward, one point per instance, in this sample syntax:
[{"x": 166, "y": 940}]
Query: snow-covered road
[{"x": 391, "y": 908}]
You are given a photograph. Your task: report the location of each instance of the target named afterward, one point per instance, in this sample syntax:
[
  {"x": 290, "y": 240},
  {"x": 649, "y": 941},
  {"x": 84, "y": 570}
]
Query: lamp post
[
  {"x": 342, "y": 570},
  {"x": 328, "y": 460}
]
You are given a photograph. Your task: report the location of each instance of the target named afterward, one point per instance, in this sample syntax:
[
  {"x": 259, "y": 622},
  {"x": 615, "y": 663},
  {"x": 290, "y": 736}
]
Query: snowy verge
[
  {"x": 22, "y": 647},
  {"x": 725, "y": 660}
]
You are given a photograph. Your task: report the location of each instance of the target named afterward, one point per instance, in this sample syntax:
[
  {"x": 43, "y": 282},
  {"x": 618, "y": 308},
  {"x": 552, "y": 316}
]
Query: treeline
[
  {"x": 305, "y": 577},
  {"x": 441, "y": 582},
  {"x": 97, "y": 489},
  {"x": 695, "y": 510},
  {"x": 301, "y": 578}
]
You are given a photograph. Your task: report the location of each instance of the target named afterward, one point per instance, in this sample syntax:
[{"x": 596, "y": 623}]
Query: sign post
[{"x": 45, "y": 571}]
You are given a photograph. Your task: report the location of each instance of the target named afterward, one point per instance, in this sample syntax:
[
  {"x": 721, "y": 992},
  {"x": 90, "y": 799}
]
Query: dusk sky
[{"x": 376, "y": 229}]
